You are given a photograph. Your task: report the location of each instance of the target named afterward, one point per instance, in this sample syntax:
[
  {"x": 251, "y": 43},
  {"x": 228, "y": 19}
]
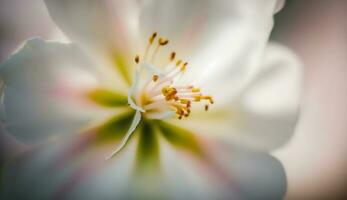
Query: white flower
[{"x": 184, "y": 95}]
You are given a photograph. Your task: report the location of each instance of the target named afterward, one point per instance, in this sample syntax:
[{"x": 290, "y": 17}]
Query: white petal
[
  {"x": 270, "y": 104},
  {"x": 257, "y": 174},
  {"x": 264, "y": 115},
  {"x": 237, "y": 173},
  {"x": 214, "y": 36},
  {"x": 106, "y": 29},
  {"x": 101, "y": 24},
  {"x": 45, "y": 84},
  {"x": 276, "y": 88},
  {"x": 279, "y": 5}
]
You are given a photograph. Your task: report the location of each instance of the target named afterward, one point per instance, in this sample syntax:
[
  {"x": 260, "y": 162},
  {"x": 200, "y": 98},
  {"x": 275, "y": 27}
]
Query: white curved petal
[
  {"x": 237, "y": 174},
  {"x": 256, "y": 174},
  {"x": 279, "y": 5},
  {"x": 219, "y": 38},
  {"x": 270, "y": 104},
  {"x": 45, "y": 85},
  {"x": 276, "y": 88},
  {"x": 106, "y": 29},
  {"x": 265, "y": 114},
  {"x": 104, "y": 24}
]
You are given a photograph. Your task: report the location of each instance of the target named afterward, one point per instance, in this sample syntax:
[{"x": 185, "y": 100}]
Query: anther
[
  {"x": 155, "y": 77},
  {"x": 184, "y": 101},
  {"x": 137, "y": 59},
  {"x": 172, "y": 56},
  {"x": 209, "y": 98},
  {"x": 197, "y": 98},
  {"x": 178, "y": 63},
  {"x": 153, "y": 36},
  {"x": 163, "y": 42},
  {"x": 195, "y": 90},
  {"x": 184, "y": 66},
  {"x": 163, "y": 92}
]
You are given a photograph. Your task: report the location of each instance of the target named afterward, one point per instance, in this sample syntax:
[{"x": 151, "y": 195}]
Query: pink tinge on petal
[
  {"x": 190, "y": 37},
  {"x": 83, "y": 172},
  {"x": 75, "y": 149},
  {"x": 210, "y": 165}
]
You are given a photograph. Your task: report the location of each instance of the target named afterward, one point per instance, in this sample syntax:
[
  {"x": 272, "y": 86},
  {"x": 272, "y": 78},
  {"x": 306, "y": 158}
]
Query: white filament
[{"x": 133, "y": 126}]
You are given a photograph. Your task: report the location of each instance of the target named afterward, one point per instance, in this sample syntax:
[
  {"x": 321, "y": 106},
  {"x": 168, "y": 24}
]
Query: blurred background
[{"x": 315, "y": 159}]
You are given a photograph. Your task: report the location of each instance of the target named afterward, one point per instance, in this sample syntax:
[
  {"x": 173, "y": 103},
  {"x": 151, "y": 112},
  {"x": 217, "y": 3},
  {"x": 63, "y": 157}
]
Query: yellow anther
[
  {"x": 184, "y": 66},
  {"x": 179, "y": 111},
  {"x": 209, "y": 98},
  {"x": 166, "y": 90},
  {"x": 169, "y": 93},
  {"x": 187, "y": 114},
  {"x": 184, "y": 101},
  {"x": 153, "y": 36},
  {"x": 197, "y": 98},
  {"x": 155, "y": 77},
  {"x": 178, "y": 63},
  {"x": 172, "y": 56},
  {"x": 137, "y": 59},
  {"x": 163, "y": 42},
  {"x": 179, "y": 99},
  {"x": 195, "y": 89}
]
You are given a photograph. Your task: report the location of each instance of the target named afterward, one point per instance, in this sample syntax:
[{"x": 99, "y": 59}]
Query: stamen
[
  {"x": 163, "y": 42},
  {"x": 150, "y": 42},
  {"x": 178, "y": 63},
  {"x": 172, "y": 56},
  {"x": 195, "y": 90},
  {"x": 184, "y": 101},
  {"x": 158, "y": 96},
  {"x": 161, "y": 94},
  {"x": 183, "y": 68},
  {"x": 137, "y": 59},
  {"x": 155, "y": 78},
  {"x": 153, "y": 36},
  {"x": 209, "y": 98}
]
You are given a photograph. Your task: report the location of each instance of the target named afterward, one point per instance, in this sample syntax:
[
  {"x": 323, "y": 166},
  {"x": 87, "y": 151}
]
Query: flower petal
[
  {"x": 214, "y": 36},
  {"x": 270, "y": 104},
  {"x": 265, "y": 114},
  {"x": 45, "y": 86},
  {"x": 99, "y": 24},
  {"x": 238, "y": 173},
  {"x": 180, "y": 138},
  {"x": 104, "y": 28}
]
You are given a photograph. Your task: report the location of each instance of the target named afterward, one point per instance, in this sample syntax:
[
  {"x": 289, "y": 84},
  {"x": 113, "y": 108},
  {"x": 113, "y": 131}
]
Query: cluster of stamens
[{"x": 161, "y": 93}]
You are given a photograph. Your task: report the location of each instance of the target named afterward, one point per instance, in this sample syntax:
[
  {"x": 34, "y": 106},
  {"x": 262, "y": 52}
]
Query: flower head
[{"x": 185, "y": 112}]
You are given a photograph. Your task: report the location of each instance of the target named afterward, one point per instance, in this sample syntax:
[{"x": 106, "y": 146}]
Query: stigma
[{"x": 157, "y": 91}]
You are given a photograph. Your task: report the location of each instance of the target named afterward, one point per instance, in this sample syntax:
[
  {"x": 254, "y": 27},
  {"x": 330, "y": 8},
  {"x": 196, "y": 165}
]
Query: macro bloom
[{"x": 156, "y": 99}]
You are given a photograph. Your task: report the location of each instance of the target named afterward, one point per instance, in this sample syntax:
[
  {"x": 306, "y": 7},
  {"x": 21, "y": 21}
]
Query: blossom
[{"x": 182, "y": 98}]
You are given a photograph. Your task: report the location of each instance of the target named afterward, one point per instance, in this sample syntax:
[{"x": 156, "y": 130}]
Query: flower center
[{"x": 157, "y": 92}]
